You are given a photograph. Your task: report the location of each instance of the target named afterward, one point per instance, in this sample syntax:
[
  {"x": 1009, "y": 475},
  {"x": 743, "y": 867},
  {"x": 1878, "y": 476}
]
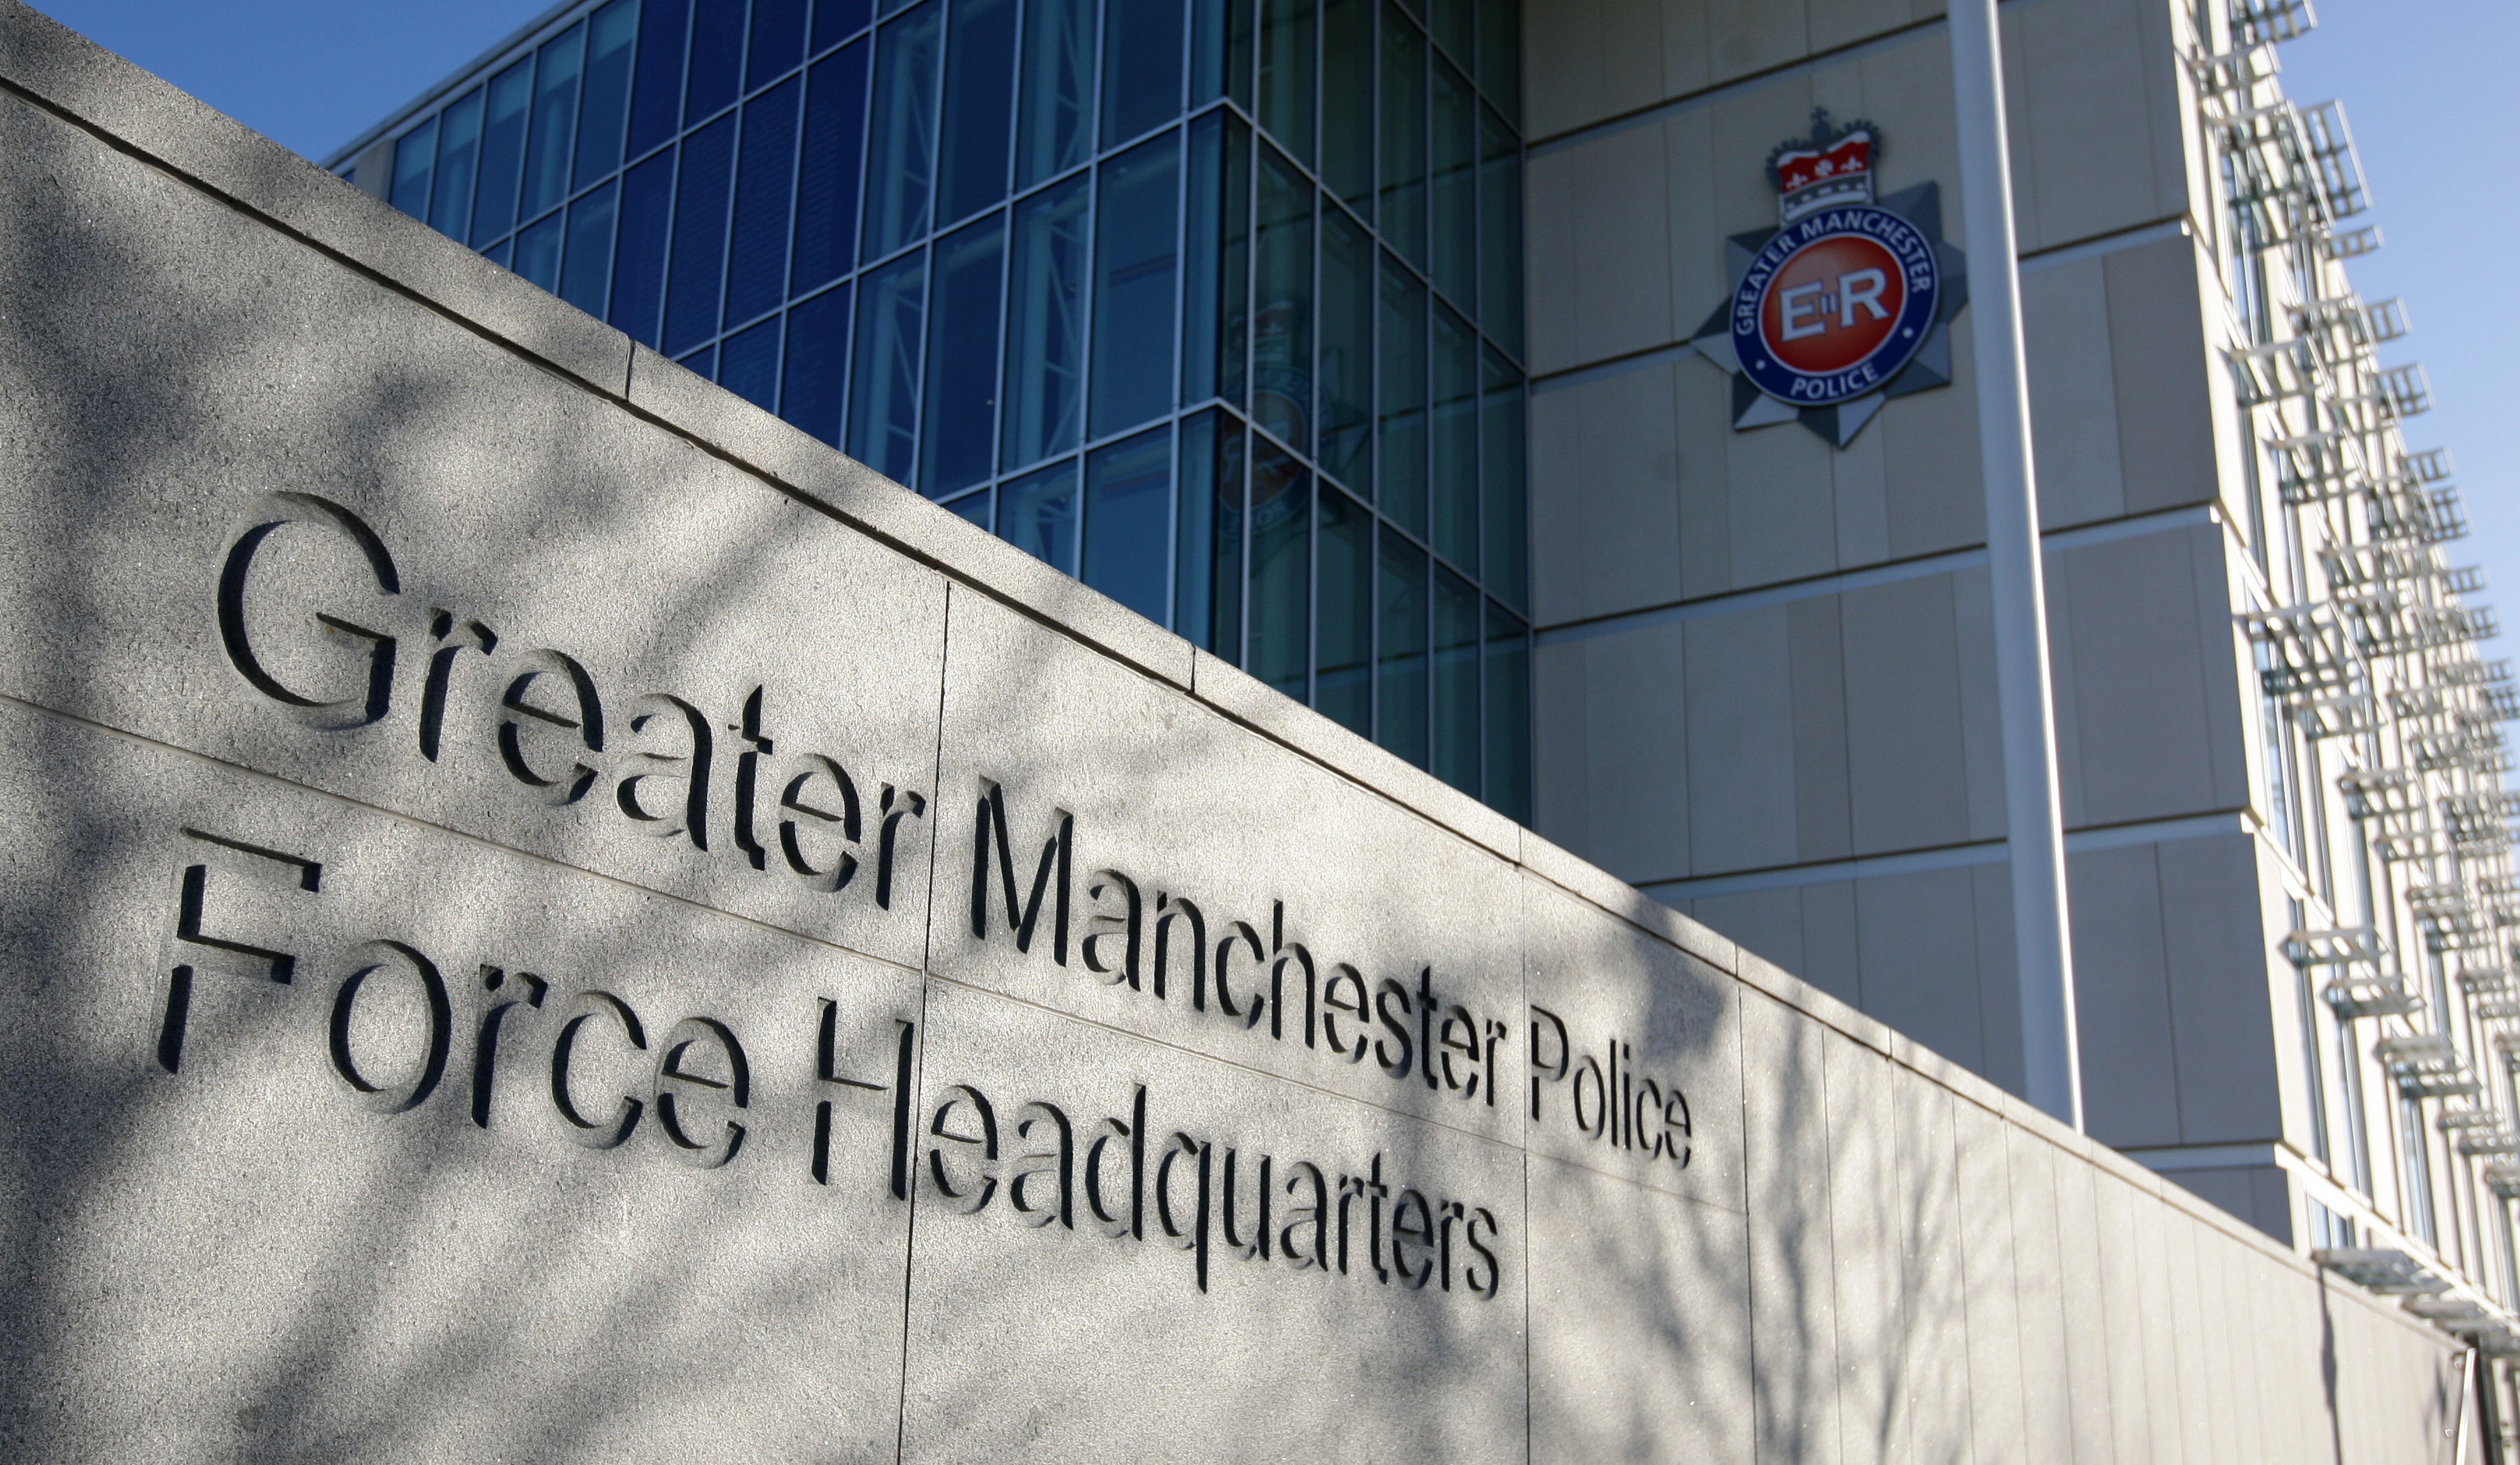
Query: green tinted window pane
[
  {"x": 1509, "y": 716},
  {"x": 1281, "y": 566},
  {"x": 1451, "y": 22},
  {"x": 1207, "y": 595},
  {"x": 1456, "y": 710},
  {"x": 1505, "y": 517},
  {"x": 1347, "y": 370},
  {"x": 1216, "y": 292},
  {"x": 1404, "y": 136},
  {"x": 1051, "y": 134},
  {"x": 1220, "y": 63},
  {"x": 1400, "y": 431},
  {"x": 459, "y": 151},
  {"x": 1500, "y": 233},
  {"x": 1128, "y": 521},
  {"x": 1135, "y": 251},
  {"x": 1456, "y": 441},
  {"x": 1287, "y": 75},
  {"x": 1045, "y": 327},
  {"x": 414, "y": 156},
  {"x": 1501, "y": 56},
  {"x": 901, "y": 155},
  {"x": 884, "y": 378},
  {"x": 1281, "y": 308},
  {"x": 1400, "y": 682},
  {"x": 1343, "y": 614},
  {"x": 1453, "y": 227},
  {"x": 1347, "y": 102},
  {"x": 1037, "y": 515}
]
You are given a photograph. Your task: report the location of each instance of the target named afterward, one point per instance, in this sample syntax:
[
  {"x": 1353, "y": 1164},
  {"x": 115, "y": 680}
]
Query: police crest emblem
[{"x": 1846, "y": 303}]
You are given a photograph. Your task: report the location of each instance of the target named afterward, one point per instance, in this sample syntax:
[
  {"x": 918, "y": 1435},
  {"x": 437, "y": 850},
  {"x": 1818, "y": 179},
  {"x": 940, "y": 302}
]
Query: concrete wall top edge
[{"x": 143, "y": 116}]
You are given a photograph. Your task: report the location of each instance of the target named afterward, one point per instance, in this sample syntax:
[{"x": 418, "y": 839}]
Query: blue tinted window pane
[
  {"x": 1045, "y": 327},
  {"x": 1215, "y": 299},
  {"x": 1399, "y": 676},
  {"x": 555, "y": 121},
  {"x": 980, "y": 102},
  {"x": 608, "y": 90},
  {"x": 818, "y": 357},
  {"x": 961, "y": 406},
  {"x": 1509, "y": 716},
  {"x": 747, "y": 364},
  {"x": 415, "y": 156},
  {"x": 1456, "y": 441},
  {"x": 1504, "y": 517},
  {"x": 1453, "y": 222},
  {"x": 1456, "y": 703},
  {"x": 1208, "y": 594},
  {"x": 459, "y": 147},
  {"x": 835, "y": 21},
  {"x": 777, "y": 41},
  {"x": 1500, "y": 233},
  {"x": 717, "y": 57},
  {"x": 1220, "y": 56},
  {"x": 538, "y": 254},
  {"x": 1404, "y": 136},
  {"x": 1037, "y": 515},
  {"x": 1142, "y": 63},
  {"x": 765, "y": 187},
  {"x": 901, "y": 162},
  {"x": 702, "y": 363},
  {"x": 1346, "y": 373},
  {"x": 1400, "y": 435},
  {"x": 1287, "y": 75},
  {"x": 1343, "y": 614},
  {"x": 883, "y": 371},
  {"x": 975, "y": 507},
  {"x": 1128, "y": 521},
  {"x": 1058, "y": 98},
  {"x": 639, "y": 259},
  {"x": 500, "y": 256},
  {"x": 1133, "y": 287},
  {"x": 826, "y": 175},
  {"x": 1282, "y": 303},
  {"x": 1501, "y": 56},
  {"x": 656, "y": 102},
  {"x": 699, "y": 234},
  {"x": 1347, "y": 102},
  {"x": 586, "y": 278},
  {"x": 1282, "y": 570},
  {"x": 503, "y": 150}
]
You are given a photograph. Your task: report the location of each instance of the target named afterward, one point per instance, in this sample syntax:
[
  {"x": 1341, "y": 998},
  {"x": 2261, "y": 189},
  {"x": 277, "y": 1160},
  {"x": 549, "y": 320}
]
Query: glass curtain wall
[{"x": 1214, "y": 304}]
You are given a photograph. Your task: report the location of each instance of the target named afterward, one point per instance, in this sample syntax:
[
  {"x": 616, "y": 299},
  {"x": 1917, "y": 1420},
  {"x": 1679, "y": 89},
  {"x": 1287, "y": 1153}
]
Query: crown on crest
[{"x": 1831, "y": 166}]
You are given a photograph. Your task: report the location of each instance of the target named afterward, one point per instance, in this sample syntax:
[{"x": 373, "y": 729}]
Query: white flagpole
[{"x": 2052, "y": 1059}]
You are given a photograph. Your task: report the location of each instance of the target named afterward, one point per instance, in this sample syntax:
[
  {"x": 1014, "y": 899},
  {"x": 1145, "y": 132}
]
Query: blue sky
[{"x": 2424, "y": 83}]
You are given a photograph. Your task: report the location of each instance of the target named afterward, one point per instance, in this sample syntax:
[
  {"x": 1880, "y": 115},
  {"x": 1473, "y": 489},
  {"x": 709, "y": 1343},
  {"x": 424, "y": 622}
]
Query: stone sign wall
[{"x": 544, "y": 915}]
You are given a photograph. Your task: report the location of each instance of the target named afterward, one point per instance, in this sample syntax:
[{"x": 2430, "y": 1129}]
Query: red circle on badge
[{"x": 1833, "y": 304}]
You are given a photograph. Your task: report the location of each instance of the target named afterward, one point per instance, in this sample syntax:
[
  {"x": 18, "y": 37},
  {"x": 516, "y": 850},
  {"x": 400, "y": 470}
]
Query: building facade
[
  {"x": 1217, "y": 308},
  {"x": 1244, "y": 315}
]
